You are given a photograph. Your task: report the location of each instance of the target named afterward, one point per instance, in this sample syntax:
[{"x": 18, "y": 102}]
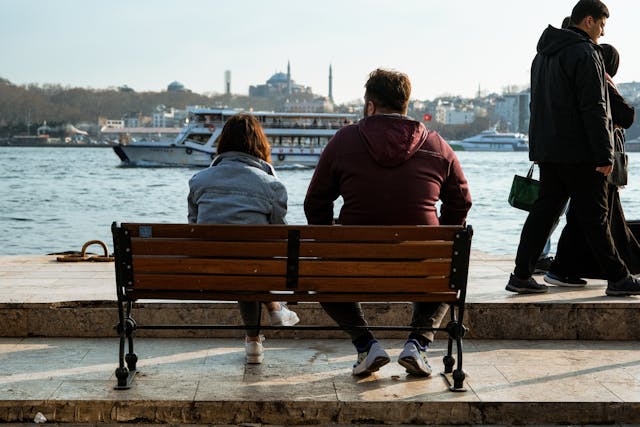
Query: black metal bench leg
[
  {"x": 131, "y": 357},
  {"x": 126, "y": 327},
  {"x": 455, "y": 331},
  {"x": 458, "y": 375},
  {"x": 448, "y": 360}
]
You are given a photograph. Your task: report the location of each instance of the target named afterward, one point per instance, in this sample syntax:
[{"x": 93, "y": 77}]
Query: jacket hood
[
  {"x": 554, "y": 40},
  {"x": 248, "y": 159},
  {"x": 391, "y": 139}
]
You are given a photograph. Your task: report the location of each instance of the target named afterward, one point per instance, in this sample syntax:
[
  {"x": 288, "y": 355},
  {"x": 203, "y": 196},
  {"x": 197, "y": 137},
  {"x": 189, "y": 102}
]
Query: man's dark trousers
[{"x": 587, "y": 189}]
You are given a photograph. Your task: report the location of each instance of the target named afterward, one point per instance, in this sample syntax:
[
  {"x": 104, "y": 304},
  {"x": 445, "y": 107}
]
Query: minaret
[
  {"x": 289, "y": 77},
  {"x": 330, "y": 83},
  {"x": 227, "y": 82}
]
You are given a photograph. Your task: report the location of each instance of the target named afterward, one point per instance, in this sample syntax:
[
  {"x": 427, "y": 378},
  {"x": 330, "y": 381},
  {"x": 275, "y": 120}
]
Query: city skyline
[{"x": 455, "y": 48}]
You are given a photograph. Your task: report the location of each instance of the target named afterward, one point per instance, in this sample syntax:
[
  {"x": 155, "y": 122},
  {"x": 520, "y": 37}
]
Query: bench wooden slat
[
  {"x": 274, "y": 283},
  {"x": 360, "y": 233},
  {"x": 201, "y": 248},
  {"x": 297, "y": 297},
  {"x": 278, "y": 267},
  {"x": 413, "y": 250}
]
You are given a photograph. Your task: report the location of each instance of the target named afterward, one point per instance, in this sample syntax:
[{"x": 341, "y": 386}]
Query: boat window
[{"x": 198, "y": 138}]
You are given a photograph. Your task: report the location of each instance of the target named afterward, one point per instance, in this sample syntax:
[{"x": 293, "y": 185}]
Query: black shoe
[
  {"x": 543, "y": 265},
  {"x": 570, "y": 281},
  {"x": 525, "y": 286},
  {"x": 627, "y": 286}
]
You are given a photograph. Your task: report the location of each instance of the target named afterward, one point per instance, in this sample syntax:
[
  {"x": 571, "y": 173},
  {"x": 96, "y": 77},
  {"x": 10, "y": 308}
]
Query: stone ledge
[
  {"x": 314, "y": 413},
  {"x": 527, "y": 320}
]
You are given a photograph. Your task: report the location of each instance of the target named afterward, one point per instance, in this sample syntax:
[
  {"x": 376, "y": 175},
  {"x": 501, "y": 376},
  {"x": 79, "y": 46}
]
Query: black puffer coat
[{"x": 570, "y": 113}]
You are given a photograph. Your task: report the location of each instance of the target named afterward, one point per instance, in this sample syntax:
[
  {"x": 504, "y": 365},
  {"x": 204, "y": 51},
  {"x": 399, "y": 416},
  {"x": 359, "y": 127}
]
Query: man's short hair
[
  {"x": 594, "y": 8},
  {"x": 388, "y": 89}
]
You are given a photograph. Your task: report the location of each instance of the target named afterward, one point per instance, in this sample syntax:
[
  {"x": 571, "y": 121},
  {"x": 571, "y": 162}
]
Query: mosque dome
[
  {"x": 175, "y": 87},
  {"x": 278, "y": 78}
]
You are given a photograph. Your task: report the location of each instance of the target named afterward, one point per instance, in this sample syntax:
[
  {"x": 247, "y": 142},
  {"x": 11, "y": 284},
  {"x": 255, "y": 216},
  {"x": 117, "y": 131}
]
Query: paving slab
[{"x": 205, "y": 381}]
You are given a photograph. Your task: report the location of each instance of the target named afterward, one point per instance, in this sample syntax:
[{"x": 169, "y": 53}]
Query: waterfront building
[
  {"x": 450, "y": 114},
  {"x": 513, "y": 111}
]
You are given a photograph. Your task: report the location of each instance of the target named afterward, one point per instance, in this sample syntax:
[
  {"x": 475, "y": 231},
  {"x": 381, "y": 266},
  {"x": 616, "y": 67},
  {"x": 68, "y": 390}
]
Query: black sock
[
  {"x": 363, "y": 342},
  {"x": 422, "y": 340}
]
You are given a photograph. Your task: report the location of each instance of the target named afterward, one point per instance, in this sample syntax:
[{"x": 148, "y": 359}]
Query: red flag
[{"x": 427, "y": 117}]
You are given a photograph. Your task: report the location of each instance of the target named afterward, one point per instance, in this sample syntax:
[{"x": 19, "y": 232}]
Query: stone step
[
  {"x": 204, "y": 382},
  {"x": 562, "y": 319}
]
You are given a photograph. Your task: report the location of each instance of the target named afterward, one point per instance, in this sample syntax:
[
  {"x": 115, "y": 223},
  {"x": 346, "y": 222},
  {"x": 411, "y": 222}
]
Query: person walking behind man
[
  {"x": 571, "y": 138},
  {"x": 389, "y": 170}
]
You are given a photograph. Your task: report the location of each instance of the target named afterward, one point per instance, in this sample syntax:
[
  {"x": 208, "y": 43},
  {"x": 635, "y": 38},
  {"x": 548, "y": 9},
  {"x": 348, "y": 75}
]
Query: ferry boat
[
  {"x": 492, "y": 140},
  {"x": 297, "y": 139}
]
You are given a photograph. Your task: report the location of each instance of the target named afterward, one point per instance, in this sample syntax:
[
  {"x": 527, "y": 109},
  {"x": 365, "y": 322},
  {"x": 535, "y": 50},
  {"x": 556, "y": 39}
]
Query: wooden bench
[{"x": 299, "y": 263}]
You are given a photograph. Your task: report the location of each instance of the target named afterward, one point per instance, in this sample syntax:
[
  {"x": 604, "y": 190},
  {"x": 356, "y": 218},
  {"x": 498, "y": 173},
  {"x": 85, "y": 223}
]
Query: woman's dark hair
[
  {"x": 611, "y": 59},
  {"x": 593, "y": 8},
  {"x": 388, "y": 89},
  {"x": 243, "y": 133}
]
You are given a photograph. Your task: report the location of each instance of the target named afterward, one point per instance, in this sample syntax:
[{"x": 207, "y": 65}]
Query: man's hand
[{"x": 605, "y": 170}]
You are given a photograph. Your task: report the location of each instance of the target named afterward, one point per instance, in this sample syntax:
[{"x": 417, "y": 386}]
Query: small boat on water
[
  {"x": 492, "y": 140},
  {"x": 297, "y": 139}
]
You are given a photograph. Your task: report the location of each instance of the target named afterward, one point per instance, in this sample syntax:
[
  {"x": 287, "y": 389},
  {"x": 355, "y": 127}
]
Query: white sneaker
[
  {"x": 254, "y": 351},
  {"x": 370, "y": 361},
  {"x": 283, "y": 317},
  {"x": 414, "y": 359}
]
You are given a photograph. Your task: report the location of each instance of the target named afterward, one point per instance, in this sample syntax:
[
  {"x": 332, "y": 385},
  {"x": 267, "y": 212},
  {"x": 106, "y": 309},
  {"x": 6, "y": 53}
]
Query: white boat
[
  {"x": 296, "y": 139},
  {"x": 492, "y": 140}
]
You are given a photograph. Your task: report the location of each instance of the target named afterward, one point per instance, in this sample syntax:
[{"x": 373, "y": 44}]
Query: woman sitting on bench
[{"x": 241, "y": 187}]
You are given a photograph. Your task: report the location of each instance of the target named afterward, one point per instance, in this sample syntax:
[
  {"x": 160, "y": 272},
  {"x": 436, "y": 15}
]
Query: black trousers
[
  {"x": 574, "y": 257},
  {"x": 425, "y": 315},
  {"x": 587, "y": 189}
]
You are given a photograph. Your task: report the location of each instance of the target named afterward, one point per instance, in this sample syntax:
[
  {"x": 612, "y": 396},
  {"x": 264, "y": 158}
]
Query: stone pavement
[
  {"x": 575, "y": 359},
  {"x": 203, "y": 381}
]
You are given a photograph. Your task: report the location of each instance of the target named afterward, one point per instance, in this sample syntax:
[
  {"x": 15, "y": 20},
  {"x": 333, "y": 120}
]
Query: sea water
[{"x": 55, "y": 199}]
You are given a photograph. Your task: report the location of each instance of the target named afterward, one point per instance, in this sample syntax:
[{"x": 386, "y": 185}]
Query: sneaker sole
[
  {"x": 255, "y": 360},
  {"x": 526, "y": 290},
  {"x": 565, "y": 284},
  {"x": 621, "y": 293},
  {"x": 412, "y": 367},
  {"x": 375, "y": 366}
]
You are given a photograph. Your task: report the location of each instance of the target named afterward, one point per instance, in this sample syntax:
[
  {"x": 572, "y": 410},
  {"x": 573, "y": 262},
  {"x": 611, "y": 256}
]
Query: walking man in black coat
[{"x": 571, "y": 138}]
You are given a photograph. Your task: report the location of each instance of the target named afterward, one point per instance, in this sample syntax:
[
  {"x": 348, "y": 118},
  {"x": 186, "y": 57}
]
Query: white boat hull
[
  {"x": 154, "y": 155},
  {"x": 150, "y": 155},
  {"x": 470, "y": 146}
]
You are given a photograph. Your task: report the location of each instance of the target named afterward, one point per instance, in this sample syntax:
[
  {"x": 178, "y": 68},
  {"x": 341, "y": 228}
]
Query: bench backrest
[{"x": 319, "y": 263}]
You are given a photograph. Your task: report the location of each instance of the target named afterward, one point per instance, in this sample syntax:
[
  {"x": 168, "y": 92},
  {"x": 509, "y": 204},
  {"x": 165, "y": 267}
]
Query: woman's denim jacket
[{"x": 237, "y": 189}]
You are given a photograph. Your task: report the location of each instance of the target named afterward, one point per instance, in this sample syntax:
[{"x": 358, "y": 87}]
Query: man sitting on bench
[{"x": 389, "y": 170}]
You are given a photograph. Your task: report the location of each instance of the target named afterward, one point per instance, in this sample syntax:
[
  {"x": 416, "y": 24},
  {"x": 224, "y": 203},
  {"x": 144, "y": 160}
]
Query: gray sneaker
[
  {"x": 525, "y": 286},
  {"x": 625, "y": 287},
  {"x": 371, "y": 360},
  {"x": 414, "y": 359}
]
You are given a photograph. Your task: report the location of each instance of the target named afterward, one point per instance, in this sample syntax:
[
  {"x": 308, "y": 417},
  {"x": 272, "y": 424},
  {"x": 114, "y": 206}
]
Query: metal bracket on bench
[
  {"x": 123, "y": 258},
  {"x": 460, "y": 258},
  {"x": 293, "y": 258}
]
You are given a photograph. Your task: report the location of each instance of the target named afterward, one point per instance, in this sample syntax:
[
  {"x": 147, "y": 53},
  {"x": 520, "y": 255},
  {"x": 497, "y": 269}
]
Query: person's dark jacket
[
  {"x": 622, "y": 113},
  {"x": 389, "y": 170},
  {"x": 570, "y": 115}
]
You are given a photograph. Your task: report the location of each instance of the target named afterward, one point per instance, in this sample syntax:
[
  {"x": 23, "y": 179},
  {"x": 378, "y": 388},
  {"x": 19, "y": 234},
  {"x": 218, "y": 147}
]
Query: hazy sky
[{"x": 445, "y": 46}]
